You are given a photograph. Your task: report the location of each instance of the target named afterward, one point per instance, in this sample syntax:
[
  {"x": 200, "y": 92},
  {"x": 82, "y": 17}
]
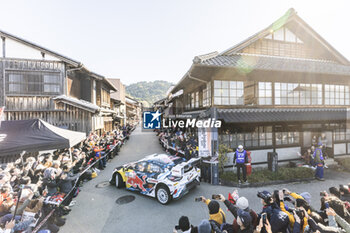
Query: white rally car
[{"x": 162, "y": 176}]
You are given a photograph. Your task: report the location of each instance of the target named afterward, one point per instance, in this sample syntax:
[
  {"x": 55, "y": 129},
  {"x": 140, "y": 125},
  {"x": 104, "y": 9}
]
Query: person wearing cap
[
  {"x": 245, "y": 218},
  {"x": 279, "y": 220},
  {"x": 240, "y": 159},
  {"x": 319, "y": 162}
]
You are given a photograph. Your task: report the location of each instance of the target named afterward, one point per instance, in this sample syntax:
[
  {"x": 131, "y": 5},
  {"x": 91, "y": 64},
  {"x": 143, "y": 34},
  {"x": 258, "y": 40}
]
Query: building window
[
  {"x": 258, "y": 137},
  {"x": 105, "y": 97},
  {"x": 33, "y": 83},
  {"x": 340, "y": 132},
  {"x": 196, "y": 103},
  {"x": 192, "y": 100},
  {"x": 207, "y": 95},
  {"x": 50, "y": 84},
  {"x": 189, "y": 101},
  {"x": 265, "y": 135},
  {"x": 336, "y": 95},
  {"x": 228, "y": 92},
  {"x": 287, "y": 138},
  {"x": 265, "y": 93},
  {"x": 298, "y": 94}
]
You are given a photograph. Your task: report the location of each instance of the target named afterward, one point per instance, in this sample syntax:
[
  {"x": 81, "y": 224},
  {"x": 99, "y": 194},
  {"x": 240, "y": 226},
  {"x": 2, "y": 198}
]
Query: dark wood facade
[
  {"x": 60, "y": 91},
  {"x": 285, "y": 66}
]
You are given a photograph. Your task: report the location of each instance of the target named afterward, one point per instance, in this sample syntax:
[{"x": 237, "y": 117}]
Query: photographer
[
  {"x": 49, "y": 180},
  {"x": 278, "y": 219},
  {"x": 296, "y": 217},
  {"x": 344, "y": 193},
  {"x": 336, "y": 204},
  {"x": 215, "y": 212},
  {"x": 335, "y": 219},
  {"x": 243, "y": 216}
]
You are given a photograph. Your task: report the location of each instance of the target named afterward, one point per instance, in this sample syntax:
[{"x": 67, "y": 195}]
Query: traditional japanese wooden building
[
  {"x": 118, "y": 102},
  {"x": 133, "y": 110},
  {"x": 280, "y": 90},
  {"x": 36, "y": 82}
]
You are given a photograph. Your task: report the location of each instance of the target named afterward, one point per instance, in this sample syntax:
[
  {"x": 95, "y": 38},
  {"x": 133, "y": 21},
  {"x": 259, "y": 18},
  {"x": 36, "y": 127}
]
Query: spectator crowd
[
  {"x": 179, "y": 142},
  {"x": 281, "y": 211},
  {"x": 36, "y": 192}
]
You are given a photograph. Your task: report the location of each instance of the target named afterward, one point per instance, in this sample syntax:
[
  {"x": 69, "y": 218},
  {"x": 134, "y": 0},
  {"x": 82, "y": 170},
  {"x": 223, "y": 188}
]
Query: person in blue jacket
[
  {"x": 239, "y": 160},
  {"x": 319, "y": 162}
]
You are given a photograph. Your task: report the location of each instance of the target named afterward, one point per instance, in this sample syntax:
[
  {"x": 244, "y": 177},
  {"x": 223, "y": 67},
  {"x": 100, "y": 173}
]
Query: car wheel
[
  {"x": 163, "y": 195},
  {"x": 119, "y": 183}
]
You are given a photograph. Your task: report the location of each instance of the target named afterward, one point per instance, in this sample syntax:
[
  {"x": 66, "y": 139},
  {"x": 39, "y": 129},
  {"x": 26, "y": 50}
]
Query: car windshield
[
  {"x": 166, "y": 159},
  {"x": 141, "y": 166},
  {"x": 154, "y": 168}
]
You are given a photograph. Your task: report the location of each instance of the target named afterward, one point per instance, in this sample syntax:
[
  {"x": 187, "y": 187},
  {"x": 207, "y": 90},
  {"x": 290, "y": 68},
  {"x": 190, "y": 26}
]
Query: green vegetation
[
  {"x": 148, "y": 92},
  {"x": 344, "y": 163},
  {"x": 284, "y": 173},
  {"x": 223, "y": 150}
]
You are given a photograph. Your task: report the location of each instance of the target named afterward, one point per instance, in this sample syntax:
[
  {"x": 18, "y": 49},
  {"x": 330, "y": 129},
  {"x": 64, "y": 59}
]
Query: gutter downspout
[{"x": 194, "y": 78}]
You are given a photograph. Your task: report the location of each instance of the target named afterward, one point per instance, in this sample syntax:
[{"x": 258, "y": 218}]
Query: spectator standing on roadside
[
  {"x": 240, "y": 159},
  {"x": 319, "y": 162}
]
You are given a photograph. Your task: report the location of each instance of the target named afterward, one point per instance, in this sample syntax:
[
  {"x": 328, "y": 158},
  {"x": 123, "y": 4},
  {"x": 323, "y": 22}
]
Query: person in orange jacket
[{"x": 99, "y": 152}]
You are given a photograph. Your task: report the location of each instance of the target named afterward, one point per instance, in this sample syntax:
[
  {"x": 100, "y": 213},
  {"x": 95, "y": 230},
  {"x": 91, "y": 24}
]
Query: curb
[{"x": 260, "y": 184}]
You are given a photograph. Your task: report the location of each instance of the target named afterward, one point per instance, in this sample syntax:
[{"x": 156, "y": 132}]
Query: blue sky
[{"x": 145, "y": 40}]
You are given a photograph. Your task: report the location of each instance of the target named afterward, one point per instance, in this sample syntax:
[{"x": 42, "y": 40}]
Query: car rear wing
[{"x": 184, "y": 167}]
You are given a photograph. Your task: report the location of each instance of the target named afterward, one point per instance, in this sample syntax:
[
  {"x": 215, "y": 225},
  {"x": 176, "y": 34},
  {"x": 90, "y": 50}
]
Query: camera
[
  {"x": 323, "y": 194},
  {"x": 177, "y": 227},
  {"x": 300, "y": 213},
  {"x": 265, "y": 196},
  {"x": 326, "y": 204},
  {"x": 263, "y": 218},
  {"x": 198, "y": 199},
  {"x": 215, "y": 196}
]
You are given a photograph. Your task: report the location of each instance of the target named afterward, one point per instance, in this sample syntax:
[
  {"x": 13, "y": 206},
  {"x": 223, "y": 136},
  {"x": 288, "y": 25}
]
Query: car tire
[
  {"x": 119, "y": 183},
  {"x": 163, "y": 194}
]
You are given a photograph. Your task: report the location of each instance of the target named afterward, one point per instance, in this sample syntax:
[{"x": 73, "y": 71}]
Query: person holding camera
[
  {"x": 243, "y": 222},
  {"x": 215, "y": 212},
  {"x": 278, "y": 219},
  {"x": 296, "y": 217},
  {"x": 239, "y": 160}
]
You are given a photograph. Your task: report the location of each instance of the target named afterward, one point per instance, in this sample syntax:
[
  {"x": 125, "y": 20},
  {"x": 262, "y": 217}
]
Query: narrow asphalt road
[{"x": 96, "y": 209}]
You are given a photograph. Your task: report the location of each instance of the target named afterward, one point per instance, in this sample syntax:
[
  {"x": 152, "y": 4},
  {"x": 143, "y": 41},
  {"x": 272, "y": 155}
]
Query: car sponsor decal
[{"x": 135, "y": 181}]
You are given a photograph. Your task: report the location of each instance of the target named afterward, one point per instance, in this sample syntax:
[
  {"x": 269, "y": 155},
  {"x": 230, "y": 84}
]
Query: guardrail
[
  {"x": 39, "y": 225},
  {"x": 167, "y": 146}
]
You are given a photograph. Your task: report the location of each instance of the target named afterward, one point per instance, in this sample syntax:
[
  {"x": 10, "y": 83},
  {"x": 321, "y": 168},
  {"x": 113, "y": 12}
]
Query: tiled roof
[
  {"x": 281, "y": 115},
  {"x": 263, "y": 62},
  {"x": 79, "y": 103}
]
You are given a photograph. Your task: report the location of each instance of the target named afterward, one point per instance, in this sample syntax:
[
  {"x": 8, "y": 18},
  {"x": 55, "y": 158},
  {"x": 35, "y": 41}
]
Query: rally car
[{"x": 159, "y": 175}]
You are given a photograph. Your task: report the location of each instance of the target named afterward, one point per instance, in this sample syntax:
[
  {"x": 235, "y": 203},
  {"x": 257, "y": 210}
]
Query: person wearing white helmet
[{"x": 239, "y": 160}]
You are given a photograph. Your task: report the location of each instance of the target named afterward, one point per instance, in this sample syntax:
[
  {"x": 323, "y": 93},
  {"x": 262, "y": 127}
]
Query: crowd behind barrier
[
  {"x": 178, "y": 142},
  {"x": 36, "y": 193},
  {"x": 282, "y": 211}
]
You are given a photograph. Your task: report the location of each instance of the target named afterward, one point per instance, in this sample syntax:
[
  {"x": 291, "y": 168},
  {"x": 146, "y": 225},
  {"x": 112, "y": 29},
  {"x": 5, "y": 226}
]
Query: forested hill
[{"x": 148, "y": 92}]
